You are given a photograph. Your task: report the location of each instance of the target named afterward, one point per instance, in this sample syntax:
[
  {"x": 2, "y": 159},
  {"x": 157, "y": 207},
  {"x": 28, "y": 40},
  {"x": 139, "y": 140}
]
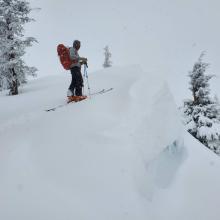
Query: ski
[{"x": 103, "y": 91}]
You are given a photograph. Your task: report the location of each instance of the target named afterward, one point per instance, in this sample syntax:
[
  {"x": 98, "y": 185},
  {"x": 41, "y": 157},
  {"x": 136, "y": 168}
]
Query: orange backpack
[{"x": 64, "y": 55}]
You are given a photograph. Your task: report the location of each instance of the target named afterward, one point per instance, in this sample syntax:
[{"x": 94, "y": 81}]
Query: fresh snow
[{"x": 120, "y": 155}]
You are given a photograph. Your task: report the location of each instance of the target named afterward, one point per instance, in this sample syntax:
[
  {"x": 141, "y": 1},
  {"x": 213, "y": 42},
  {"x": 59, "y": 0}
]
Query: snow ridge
[{"x": 122, "y": 153}]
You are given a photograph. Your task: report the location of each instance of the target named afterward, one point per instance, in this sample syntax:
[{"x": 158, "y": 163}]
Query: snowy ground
[{"x": 121, "y": 155}]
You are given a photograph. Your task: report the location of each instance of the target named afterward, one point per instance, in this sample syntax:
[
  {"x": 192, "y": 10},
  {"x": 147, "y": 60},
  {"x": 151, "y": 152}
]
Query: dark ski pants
[{"x": 77, "y": 81}]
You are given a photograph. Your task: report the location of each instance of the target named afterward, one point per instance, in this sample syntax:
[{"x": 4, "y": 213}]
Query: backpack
[{"x": 64, "y": 55}]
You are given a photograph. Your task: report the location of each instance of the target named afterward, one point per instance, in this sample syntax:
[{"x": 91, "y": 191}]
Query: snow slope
[{"x": 121, "y": 155}]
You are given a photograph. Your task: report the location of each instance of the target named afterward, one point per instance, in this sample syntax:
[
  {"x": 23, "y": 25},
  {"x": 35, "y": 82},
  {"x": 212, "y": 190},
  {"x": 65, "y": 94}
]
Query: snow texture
[{"x": 121, "y": 155}]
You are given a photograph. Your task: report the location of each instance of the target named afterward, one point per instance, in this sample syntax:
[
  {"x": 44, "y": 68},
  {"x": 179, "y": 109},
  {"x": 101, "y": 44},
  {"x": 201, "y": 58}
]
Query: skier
[{"x": 74, "y": 92}]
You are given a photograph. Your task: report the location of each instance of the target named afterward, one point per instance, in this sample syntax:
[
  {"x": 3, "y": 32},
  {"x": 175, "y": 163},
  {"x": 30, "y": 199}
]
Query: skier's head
[{"x": 76, "y": 44}]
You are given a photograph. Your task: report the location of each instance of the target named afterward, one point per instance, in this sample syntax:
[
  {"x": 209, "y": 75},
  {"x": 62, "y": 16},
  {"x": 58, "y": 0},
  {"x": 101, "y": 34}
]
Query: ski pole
[
  {"x": 87, "y": 78},
  {"x": 83, "y": 83}
]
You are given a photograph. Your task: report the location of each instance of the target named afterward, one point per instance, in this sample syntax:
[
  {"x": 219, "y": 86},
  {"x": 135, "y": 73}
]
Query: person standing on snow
[{"x": 75, "y": 88}]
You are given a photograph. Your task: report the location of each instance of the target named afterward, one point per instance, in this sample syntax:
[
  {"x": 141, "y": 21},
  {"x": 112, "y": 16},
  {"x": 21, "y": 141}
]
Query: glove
[{"x": 83, "y": 60}]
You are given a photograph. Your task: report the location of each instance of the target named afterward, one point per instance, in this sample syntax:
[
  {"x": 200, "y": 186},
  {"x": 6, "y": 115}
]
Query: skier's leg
[
  {"x": 71, "y": 87},
  {"x": 79, "y": 83},
  {"x": 73, "y": 84},
  {"x": 78, "y": 91}
]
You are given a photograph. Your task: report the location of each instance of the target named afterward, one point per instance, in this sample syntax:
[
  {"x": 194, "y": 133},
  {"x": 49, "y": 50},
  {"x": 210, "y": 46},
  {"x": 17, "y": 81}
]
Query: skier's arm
[
  {"x": 83, "y": 59},
  {"x": 74, "y": 56}
]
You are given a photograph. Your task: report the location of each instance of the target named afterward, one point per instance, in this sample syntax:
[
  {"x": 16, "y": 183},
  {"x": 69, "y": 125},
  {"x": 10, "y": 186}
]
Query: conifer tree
[
  {"x": 14, "y": 14},
  {"x": 202, "y": 113},
  {"x": 107, "y": 62}
]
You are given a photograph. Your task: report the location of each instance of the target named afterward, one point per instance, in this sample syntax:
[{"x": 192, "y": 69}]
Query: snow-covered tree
[
  {"x": 107, "y": 62},
  {"x": 14, "y": 14},
  {"x": 202, "y": 113}
]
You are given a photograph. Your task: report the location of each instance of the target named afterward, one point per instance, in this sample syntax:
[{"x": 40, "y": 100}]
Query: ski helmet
[{"x": 76, "y": 44}]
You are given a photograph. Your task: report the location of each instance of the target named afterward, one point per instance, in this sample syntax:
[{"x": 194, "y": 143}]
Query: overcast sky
[{"x": 161, "y": 35}]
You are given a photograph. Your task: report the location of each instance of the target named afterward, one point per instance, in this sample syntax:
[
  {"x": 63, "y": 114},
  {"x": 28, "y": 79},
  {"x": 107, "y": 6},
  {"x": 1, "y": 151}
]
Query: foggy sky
[{"x": 160, "y": 35}]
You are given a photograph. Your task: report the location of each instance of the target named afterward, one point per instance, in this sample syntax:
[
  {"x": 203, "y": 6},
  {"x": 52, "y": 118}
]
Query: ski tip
[{"x": 49, "y": 110}]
